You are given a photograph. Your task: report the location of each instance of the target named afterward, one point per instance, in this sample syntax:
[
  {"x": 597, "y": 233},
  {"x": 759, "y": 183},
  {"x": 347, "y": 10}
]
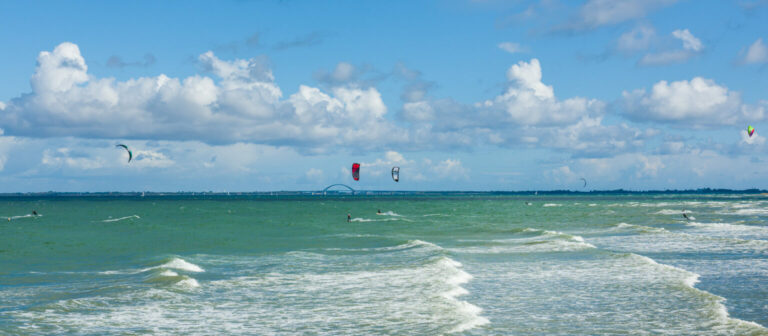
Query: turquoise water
[{"x": 475, "y": 265}]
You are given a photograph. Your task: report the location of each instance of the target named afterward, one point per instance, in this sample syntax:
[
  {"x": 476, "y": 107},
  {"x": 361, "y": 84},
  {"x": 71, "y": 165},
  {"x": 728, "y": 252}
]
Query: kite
[
  {"x": 585, "y": 182},
  {"x": 356, "y": 171},
  {"x": 396, "y": 174},
  {"x": 750, "y": 130},
  {"x": 130, "y": 155}
]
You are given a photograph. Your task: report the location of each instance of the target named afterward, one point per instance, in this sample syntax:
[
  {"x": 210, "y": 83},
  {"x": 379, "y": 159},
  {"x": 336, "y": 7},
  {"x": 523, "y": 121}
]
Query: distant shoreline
[{"x": 703, "y": 191}]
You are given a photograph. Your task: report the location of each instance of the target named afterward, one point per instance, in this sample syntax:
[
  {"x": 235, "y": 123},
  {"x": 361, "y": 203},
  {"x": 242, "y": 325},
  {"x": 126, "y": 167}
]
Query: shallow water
[{"x": 478, "y": 265}]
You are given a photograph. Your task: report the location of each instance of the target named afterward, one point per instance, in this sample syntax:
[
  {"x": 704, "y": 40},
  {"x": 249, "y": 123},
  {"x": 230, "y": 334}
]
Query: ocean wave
[
  {"x": 421, "y": 294},
  {"x": 746, "y": 212},
  {"x": 121, "y": 218},
  {"x": 23, "y": 216},
  {"x": 543, "y": 241},
  {"x": 411, "y": 244},
  {"x": 551, "y": 205},
  {"x": 672, "y": 212},
  {"x": 178, "y": 264},
  {"x": 367, "y": 220},
  {"x": 719, "y": 312},
  {"x": 168, "y": 277},
  {"x": 641, "y": 228},
  {"x": 389, "y": 213},
  {"x": 169, "y": 264}
]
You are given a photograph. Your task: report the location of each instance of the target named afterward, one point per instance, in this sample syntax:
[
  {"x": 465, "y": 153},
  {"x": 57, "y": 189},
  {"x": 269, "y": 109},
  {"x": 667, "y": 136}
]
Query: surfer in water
[
  {"x": 685, "y": 215},
  {"x": 349, "y": 217},
  {"x": 378, "y": 212},
  {"x": 34, "y": 212}
]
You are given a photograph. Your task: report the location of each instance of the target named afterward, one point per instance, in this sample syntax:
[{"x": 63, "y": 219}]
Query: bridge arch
[{"x": 340, "y": 185}]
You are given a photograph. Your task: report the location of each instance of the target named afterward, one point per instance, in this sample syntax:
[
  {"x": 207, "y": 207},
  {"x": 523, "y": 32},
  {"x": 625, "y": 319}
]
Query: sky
[{"x": 460, "y": 94}]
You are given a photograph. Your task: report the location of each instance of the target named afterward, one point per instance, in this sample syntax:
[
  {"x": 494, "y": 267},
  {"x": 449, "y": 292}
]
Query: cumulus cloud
[
  {"x": 755, "y": 139},
  {"x": 698, "y": 102},
  {"x": 597, "y": 13},
  {"x": 757, "y": 53},
  {"x": 690, "y": 42},
  {"x": 528, "y": 101},
  {"x": 238, "y": 102},
  {"x": 511, "y": 47},
  {"x": 314, "y": 174},
  {"x": 589, "y": 137},
  {"x": 450, "y": 169},
  {"x": 691, "y": 47},
  {"x": 637, "y": 39},
  {"x": 610, "y": 169},
  {"x": 527, "y": 114},
  {"x": 243, "y": 105}
]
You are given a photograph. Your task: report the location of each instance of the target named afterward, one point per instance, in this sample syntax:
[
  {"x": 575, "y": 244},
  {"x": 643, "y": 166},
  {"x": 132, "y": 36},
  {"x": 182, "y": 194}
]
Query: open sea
[{"x": 587, "y": 264}]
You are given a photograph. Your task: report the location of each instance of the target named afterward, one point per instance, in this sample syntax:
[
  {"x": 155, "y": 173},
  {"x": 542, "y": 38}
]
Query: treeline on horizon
[{"x": 384, "y": 193}]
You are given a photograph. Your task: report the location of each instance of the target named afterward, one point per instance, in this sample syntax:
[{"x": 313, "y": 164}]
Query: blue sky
[{"x": 462, "y": 95}]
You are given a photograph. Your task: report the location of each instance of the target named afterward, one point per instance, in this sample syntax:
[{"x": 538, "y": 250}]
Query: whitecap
[{"x": 121, "y": 218}]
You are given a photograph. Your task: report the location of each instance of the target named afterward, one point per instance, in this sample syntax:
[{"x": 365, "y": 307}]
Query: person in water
[
  {"x": 378, "y": 211},
  {"x": 34, "y": 212},
  {"x": 685, "y": 215},
  {"x": 349, "y": 217}
]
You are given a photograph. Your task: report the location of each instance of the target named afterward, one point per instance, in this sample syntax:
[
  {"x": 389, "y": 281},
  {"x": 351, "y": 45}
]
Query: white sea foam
[
  {"x": 178, "y": 264},
  {"x": 389, "y": 213},
  {"x": 690, "y": 279},
  {"x": 672, "y": 212},
  {"x": 746, "y": 212},
  {"x": 641, "y": 228},
  {"x": 552, "y": 205},
  {"x": 23, "y": 216},
  {"x": 545, "y": 241},
  {"x": 121, "y": 218},
  {"x": 367, "y": 220},
  {"x": 188, "y": 282}
]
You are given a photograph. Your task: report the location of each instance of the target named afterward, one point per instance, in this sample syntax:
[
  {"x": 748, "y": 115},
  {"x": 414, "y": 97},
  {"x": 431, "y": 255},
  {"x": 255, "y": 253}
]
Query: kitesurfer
[
  {"x": 685, "y": 215},
  {"x": 349, "y": 217},
  {"x": 34, "y": 212},
  {"x": 378, "y": 212}
]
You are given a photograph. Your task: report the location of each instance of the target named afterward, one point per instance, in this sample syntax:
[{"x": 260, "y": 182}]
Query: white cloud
[
  {"x": 666, "y": 57},
  {"x": 314, "y": 174},
  {"x": 637, "y": 39},
  {"x": 612, "y": 169},
  {"x": 650, "y": 166},
  {"x": 244, "y": 105},
  {"x": 692, "y": 46},
  {"x": 511, "y": 47},
  {"x": 74, "y": 159},
  {"x": 450, "y": 169},
  {"x": 590, "y": 138},
  {"x": 698, "y": 102},
  {"x": 690, "y": 42},
  {"x": 755, "y": 139},
  {"x": 528, "y": 101},
  {"x": 383, "y": 166},
  {"x": 596, "y": 13},
  {"x": 2, "y": 106},
  {"x": 756, "y": 53},
  {"x": 151, "y": 159}
]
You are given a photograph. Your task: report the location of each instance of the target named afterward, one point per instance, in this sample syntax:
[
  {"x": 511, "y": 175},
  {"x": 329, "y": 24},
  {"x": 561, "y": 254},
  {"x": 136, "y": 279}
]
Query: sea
[{"x": 435, "y": 264}]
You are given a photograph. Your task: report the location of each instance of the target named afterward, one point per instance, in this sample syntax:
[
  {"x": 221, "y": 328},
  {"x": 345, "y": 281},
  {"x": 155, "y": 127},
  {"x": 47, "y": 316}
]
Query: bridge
[{"x": 340, "y": 185}]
